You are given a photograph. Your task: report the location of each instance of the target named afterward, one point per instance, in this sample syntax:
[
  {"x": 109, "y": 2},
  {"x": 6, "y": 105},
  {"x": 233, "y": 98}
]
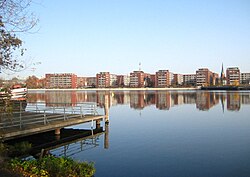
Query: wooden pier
[{"x": 38, "y": 118}]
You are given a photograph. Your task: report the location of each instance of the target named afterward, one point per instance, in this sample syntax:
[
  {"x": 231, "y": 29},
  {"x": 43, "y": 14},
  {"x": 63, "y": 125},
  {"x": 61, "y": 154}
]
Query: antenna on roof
[{"x": 139, "y": 66}]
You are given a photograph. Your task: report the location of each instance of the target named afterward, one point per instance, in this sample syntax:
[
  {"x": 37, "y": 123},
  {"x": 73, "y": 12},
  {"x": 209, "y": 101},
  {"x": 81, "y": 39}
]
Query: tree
[
  {"x": 32, "y": 82},
  {"x": 14, "y": 19}
]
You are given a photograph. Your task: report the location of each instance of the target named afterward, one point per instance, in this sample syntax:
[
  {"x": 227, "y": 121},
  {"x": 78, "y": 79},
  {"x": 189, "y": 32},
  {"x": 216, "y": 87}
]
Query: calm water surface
[{"x": 163, "y": 134}]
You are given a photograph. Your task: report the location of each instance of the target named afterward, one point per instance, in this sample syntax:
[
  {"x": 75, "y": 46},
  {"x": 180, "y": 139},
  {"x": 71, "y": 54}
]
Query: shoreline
[
  {"x": 119, "y": 89},
  {"x": 233, "y": 88},
  {"x": 148, "y": 89}
]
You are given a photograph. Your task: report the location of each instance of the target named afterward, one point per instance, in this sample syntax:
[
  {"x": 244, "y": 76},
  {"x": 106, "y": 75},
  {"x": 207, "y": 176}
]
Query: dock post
[
  {"x": 57, "y": 131},
  {"x": 98, "y": 124},
  {"x": 106, "y": 136},
  {"x": 57, "y": 134},
  {"x": 106, "y": 108}
]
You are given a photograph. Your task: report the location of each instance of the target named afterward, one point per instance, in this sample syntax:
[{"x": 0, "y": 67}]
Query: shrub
[{"x": 52, "y": 166}]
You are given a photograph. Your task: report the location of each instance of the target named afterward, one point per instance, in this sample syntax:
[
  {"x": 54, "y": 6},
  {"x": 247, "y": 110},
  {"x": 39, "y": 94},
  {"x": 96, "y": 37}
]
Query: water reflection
[
  {"x": 163, "y": 100},
  {"x": 194, "y": 138},
  {"x": 70, "y": 142}
]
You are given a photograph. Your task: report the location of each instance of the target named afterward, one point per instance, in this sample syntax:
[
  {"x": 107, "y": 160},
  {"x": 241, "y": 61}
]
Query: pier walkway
[{"x": 38, "y": 117}]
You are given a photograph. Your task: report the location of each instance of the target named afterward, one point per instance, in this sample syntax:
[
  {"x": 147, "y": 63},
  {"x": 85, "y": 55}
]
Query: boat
[{"x": 16, "y": 92}]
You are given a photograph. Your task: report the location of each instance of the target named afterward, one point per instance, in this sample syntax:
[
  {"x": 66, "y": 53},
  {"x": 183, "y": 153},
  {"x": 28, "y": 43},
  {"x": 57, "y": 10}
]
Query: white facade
[
  {"x": 126, "y": 80},
  {"x": 178, "y": 79},
  {"x": 113, "y": 80},
  {"x": 134, "y": 82},
  {"x": 189, "y": 79}
]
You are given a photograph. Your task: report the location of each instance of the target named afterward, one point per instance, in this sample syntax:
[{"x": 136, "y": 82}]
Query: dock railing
[
  {"x": 41, "y": 113},
  {"x": 86, "y": 108}
]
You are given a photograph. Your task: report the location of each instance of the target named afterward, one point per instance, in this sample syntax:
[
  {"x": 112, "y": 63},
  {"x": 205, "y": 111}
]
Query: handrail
[
  {"x": 81, "y": 108},
  {"x": 40, "y": 114}
]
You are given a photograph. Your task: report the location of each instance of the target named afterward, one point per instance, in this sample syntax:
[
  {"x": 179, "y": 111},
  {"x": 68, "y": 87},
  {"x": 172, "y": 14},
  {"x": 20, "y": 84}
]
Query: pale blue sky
[{"x": 89, "y": 36}]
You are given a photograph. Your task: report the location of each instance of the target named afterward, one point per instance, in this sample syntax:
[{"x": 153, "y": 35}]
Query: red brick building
[
  {"x": 123, "y": 80},
  {"x": 137, "y": 79},
  {"x": 163, "y": 78},
  {"x": 233, "y": 76},
  {"x": 64, "y": 80},
  {"x": 205, "y": 77},
  {"x": 103, "y": 80}
]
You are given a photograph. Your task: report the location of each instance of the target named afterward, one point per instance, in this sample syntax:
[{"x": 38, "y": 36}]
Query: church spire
[{"x": 222, "y": 74}]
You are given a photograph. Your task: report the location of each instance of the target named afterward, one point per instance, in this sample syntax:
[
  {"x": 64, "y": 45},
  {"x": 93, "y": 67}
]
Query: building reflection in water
[
  {"x": 163, "y": 100},
  {"x": 206, "y": 100},
  {"x": 233, "y": 101}
]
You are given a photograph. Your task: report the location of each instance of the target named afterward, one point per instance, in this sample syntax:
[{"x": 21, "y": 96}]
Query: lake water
[{"x": 162, "y": 133}]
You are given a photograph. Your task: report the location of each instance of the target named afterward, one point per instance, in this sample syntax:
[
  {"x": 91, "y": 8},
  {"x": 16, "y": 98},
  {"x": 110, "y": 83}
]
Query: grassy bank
[{"x": 48, "y": 166}]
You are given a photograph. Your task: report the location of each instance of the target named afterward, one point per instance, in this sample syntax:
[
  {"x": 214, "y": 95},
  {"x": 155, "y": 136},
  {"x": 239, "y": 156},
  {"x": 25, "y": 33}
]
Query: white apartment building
[
  {"x": 189, "y": 79},
  {"x": 126, "y": 80},
  {"x": 113, "y": 80}
]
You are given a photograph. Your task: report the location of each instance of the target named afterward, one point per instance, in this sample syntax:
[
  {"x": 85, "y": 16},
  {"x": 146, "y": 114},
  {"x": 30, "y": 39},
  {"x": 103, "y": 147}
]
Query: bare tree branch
[{"x": 15, "y": 17}]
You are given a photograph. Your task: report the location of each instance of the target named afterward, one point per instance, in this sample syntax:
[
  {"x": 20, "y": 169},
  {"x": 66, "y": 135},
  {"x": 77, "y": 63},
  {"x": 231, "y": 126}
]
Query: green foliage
[
  {"x": 15, "y": 150},
  {"x": 6, "y": 108},
  {"x": 52, "y": 166},
  {"x": 9, "y": 42},
  {"x": 2, "y": 148},
  {"x": 19, "y": 149}
]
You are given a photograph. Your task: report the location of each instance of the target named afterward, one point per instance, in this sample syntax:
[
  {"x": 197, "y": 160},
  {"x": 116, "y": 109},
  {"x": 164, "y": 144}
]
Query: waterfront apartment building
[
  {"x": 178, "y": 79},
  {"x": 152, "y": 80},
  {"x": 163, "y": 78},
  {"x": 205, "y": 77},
  {"x": 149, "y": 80},
  {"x": 233, "y": 76},
  {"x": 215, "y": 79},
  {"x": 189, "y": 79},
  {"x": 245, "y": 78},
  {"x": 81, "y": 82},
  {"x": 91, "y": 81},
  {"x": 113, "y": 80},
  {"x": 137, "y": 79},
  {"x": 64, "y": 80},
  {"x": 123, "y": 80},
  {"x": 103, "y": 79}
]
